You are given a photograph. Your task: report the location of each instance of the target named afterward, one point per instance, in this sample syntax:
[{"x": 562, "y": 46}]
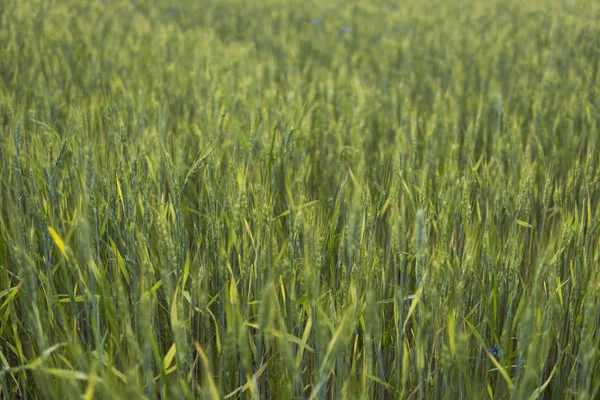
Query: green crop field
[{"x": 244, "y": 199}]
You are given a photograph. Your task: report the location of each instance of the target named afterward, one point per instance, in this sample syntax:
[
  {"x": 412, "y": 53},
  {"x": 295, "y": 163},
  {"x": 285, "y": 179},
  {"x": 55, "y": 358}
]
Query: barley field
[{"x": 243, "y": 199}]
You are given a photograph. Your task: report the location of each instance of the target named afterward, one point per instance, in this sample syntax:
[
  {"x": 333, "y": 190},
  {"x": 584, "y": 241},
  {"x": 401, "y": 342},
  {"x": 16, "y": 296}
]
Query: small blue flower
[
  {"x": 345, "y": 29},
  {"x": 317, "y": 22},
  {"x": 173, "y": 10},
  {"x": 496, "y": 351}
]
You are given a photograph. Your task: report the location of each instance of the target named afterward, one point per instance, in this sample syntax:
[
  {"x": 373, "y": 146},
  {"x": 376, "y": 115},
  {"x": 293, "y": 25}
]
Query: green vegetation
[{"x": 299, "y": 199}]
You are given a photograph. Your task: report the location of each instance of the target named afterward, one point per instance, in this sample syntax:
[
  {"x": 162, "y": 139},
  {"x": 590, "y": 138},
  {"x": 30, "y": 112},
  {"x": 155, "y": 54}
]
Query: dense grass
[{"x": 227, "y": 198}]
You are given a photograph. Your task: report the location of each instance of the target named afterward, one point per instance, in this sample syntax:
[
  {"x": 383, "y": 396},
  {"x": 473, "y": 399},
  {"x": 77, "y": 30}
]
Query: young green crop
[{"x": 269, "y": 199}]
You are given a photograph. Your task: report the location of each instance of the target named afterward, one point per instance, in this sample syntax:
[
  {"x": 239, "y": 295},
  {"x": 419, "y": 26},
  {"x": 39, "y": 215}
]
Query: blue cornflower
[
  {"x": 496, "y": 351},
  {"x": 345, "y": 29},
  {"x": 317, "y": 22}
]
